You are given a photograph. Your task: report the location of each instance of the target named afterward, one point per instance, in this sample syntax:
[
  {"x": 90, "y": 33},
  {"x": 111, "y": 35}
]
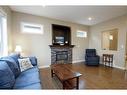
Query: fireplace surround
[{"x": 61, "y": 54}]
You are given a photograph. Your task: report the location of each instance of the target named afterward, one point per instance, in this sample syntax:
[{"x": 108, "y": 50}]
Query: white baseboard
[
  {"x": 119, "y": 67},
  {"x": 46, "y": 66},
  {"x": 77, "y": 61},
  {"x": 115, "y": 66}
]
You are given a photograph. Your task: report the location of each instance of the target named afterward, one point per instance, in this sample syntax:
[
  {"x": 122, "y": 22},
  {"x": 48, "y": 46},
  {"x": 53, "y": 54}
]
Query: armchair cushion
[
  {"x": 90, "y": 52},
  {"x": 93, "y": 59}
]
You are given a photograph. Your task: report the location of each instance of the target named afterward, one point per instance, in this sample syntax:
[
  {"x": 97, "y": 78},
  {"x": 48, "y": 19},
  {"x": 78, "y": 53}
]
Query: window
[
  {"x": 31, "y": 28},
  {"x": 82, "y": 34},
  {"x": 3, "y": 35}
]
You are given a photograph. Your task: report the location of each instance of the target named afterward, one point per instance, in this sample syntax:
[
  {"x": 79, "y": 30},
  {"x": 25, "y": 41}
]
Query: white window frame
[
  {"x": 38, "y": 28},
  {"x": 81, "y": 34},
  {"x": 3, "y": 34}
]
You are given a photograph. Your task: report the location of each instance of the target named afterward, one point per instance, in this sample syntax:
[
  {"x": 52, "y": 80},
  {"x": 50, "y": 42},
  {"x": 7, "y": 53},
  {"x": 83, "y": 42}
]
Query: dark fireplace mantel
[{"x": 61, "y": 46}]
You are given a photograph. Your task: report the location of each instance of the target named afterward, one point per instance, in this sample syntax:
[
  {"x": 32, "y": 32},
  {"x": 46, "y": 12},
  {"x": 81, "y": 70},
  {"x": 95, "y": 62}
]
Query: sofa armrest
[{"x": 33, "y": 60}]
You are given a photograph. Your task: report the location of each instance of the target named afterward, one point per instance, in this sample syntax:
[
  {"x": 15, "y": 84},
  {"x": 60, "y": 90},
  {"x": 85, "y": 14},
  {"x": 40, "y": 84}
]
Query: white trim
[
  {"x": 2, "y": 12},
  {"x": 30, "y": 27},
  {"x": 4, "y": 33},
  {"x": 46, "y": 66},
  {"x": 115, "y": 66},
  {"x": 77, "y": 61},
  {"x": 81, "y": 34}
]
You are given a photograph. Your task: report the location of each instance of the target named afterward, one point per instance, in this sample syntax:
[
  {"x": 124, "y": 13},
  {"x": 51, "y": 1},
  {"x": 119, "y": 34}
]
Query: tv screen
[{"x": 59, "y": 40}]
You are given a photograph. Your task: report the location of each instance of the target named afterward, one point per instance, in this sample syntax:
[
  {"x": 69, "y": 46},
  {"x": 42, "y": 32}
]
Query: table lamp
[{"x": 18, "y": 49}]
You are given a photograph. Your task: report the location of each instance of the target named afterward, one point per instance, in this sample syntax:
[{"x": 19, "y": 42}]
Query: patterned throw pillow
[{"x": 25, "y": 64}]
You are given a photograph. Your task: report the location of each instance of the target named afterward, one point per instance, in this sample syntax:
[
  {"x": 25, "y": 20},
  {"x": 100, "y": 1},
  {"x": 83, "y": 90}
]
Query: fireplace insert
[{"x": 62, "y": 56}]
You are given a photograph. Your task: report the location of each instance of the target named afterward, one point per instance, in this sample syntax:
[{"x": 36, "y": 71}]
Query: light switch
[{"x": 122, "y": 46}]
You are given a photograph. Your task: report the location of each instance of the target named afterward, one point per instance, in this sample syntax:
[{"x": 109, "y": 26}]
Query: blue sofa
[
  {"x": 12, "y": 78},
  {"x": 91, "y": 58}
]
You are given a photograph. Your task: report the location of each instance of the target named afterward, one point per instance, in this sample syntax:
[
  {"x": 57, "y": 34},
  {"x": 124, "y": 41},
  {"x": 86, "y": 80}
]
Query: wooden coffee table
[{"x": 68, "y": 77}]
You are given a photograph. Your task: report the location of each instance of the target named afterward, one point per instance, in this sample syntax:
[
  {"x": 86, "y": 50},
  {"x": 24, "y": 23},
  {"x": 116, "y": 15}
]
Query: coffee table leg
[
  {"x": 77, "y": 83},
  {"x": 63, "y": 84},
  {"x": 52, "y": 73}
]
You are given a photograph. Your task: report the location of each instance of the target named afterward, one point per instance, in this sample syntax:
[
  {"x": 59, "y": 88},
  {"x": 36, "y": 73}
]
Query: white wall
[
  {"x": 95, "y": 38},
  {"x": 38, "y": 45}
]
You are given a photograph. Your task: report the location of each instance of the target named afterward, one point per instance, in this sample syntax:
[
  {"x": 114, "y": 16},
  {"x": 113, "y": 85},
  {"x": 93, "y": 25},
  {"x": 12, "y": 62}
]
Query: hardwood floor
[{"x": 93, "y": 77}]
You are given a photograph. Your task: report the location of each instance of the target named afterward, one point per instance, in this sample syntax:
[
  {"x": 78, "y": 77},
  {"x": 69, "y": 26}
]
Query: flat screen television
[{"x": 59, "y": 40}]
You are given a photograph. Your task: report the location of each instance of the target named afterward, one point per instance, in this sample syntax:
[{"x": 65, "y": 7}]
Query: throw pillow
[
  {"x": 25, "y": 64},
  {"x": 15, "y": 56},
  {"x": 12, "y": 64},
  {"x": 33, "y": 60},
  {"x": 7, "y": 78}
]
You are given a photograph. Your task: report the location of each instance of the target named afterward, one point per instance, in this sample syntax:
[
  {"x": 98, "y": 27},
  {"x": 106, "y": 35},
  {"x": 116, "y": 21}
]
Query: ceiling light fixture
[
  {"x": 43, "y": 3},
  {"x": 90, "y": 18}
]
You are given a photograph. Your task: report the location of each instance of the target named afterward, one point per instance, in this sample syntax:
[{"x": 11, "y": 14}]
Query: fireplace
[{"x": 61, "y": 54}]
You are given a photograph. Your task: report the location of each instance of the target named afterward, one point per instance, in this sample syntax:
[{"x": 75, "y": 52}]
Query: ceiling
[{"x": 75, "y": 14}]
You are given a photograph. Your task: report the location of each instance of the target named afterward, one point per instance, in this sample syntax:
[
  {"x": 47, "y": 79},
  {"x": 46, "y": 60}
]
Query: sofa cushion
[
  {"x": 31, "y": 86},
  {"x": 25, "y": 64},
  {"x": 15, "y": 56},
  {"x": 13, "y": 65},
  {"x": 27, "y": 78},
  {"x": 7, "y": 78}
]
